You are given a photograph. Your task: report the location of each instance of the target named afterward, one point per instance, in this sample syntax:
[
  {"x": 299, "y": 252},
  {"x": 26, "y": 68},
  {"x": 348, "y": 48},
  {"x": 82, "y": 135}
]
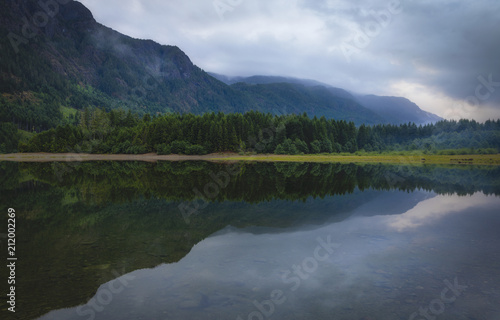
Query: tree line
[{"x": 97, "y": 131}]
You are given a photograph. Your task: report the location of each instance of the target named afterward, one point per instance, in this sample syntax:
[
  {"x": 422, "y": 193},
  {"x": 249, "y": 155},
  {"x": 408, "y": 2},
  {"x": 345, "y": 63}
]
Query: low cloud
[{"x": 440, "y": 47}]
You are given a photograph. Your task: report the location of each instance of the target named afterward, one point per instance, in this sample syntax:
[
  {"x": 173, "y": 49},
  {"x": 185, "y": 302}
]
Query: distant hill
[
  {"x": 284, "y": 98},
  {"x": 266, "y": 80},
  {"x": 395, "y": 110},
  {"x": 70, "y": 61}
]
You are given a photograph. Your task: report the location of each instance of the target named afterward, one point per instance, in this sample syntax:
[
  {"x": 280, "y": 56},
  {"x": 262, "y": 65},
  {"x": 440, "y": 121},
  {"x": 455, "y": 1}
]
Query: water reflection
[
  {"x": 360, "y": 268},
  {"x": 426, "y": 212},
  {"x": 401, "y": 232}
]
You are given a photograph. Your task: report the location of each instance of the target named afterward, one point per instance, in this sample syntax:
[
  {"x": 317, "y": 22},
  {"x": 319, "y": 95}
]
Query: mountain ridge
[
  {"x": 72, "y": 61},
  {"x": 394, "y": 110},
  {"x": 397, "y": 109}
]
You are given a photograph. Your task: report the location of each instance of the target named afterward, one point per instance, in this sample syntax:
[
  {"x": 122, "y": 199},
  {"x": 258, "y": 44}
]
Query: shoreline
[
  {"x": 83, "y": 157},
  {"x": 493, "y": 159}
]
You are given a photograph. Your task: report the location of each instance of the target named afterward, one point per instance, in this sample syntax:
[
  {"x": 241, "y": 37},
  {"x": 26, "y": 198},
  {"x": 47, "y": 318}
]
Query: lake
[{"x": 201, "y": 240}]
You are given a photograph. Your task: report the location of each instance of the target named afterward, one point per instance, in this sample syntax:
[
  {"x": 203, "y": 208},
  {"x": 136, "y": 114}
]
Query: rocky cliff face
[
  {"x": 57, "y": 53},
  {"x": 65, "y": 35}
]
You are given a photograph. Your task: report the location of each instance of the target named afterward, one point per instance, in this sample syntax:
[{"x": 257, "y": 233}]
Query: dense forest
[{"x": 118, "y": 131}]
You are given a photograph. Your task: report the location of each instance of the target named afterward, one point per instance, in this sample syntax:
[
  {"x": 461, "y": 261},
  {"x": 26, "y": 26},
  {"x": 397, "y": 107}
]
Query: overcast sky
[{"x": 442, "y": 54}]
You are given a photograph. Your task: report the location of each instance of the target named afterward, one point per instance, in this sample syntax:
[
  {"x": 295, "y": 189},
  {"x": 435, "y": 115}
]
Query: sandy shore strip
[
  {"x": 229, "y": 157},
  {"x": 476, "y": 159}
]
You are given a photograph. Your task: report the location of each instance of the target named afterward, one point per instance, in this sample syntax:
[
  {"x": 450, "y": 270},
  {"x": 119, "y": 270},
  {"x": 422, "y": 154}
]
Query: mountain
[
  {"x": 285, "y": 98},
  {"x": 394, "y": 110},
  {"x": 397, "y": 110},
  {"x": 89, "y": 64},
  {"x": 266, "y": 80},
  {"x": 56, "y": 59}
]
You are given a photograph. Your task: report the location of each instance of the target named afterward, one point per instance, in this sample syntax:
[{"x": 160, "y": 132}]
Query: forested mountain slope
[
  {"x": 56, "y": 58},
  {"x": 394, "y": 110}
]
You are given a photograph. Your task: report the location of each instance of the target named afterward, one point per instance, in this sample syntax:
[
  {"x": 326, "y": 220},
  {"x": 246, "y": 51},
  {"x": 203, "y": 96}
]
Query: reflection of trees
[
  {"x": 80, "y": 221},
  {"x": 102, "y": 182}
]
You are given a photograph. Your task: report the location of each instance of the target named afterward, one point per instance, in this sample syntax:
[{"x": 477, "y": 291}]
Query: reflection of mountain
[
  {"x": 99, "y": 240},
  {"x": 391, "y": 202},
  {"x": 80, "y": 222},
  {"x": 364, "y": 262}
]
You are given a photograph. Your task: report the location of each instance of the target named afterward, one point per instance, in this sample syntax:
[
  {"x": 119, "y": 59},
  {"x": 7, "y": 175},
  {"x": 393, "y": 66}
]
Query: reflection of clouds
[
  {"x": 429, "y": 211},
  {"x": 225, "y": 273}
]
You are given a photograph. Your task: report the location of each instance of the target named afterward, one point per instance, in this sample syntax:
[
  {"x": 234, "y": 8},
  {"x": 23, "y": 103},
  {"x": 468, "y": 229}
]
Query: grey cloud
[
  {"x": 442, "y": 45},
  {"x": 460, "y": 41}
]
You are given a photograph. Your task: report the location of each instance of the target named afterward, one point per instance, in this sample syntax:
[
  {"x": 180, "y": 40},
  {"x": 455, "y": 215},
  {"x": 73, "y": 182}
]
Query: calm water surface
[{"x": 267, "y": 241}]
